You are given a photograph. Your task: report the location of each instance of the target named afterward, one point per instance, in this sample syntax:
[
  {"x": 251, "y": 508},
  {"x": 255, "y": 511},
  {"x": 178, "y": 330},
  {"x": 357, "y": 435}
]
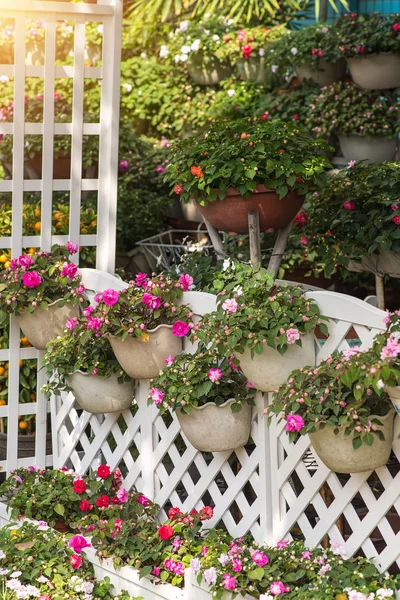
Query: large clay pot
[
  {"x": 252, "y": 69},
  {"x": 372, "y": 149},
  {"x": 376, "y": 71},
  {"x": 26, "y": 445},
  {"x": 144, "y": 360},
  {"x": 210, "y": 74},
  {"x": 267, "y": 371},
  {"x": 338, "y": 454},
  {"x": 100, "y": 395},
  {"x": 212, "y": 428},
  {"x": 394, "y": 394},
  {"x": 231, "y": 213},
  {"x": 42, "y": 325},
  {"x": 326, "y": 73}
]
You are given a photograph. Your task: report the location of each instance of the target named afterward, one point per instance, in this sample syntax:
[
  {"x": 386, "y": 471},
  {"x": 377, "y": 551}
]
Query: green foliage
[{"x": 368, "y": 33}]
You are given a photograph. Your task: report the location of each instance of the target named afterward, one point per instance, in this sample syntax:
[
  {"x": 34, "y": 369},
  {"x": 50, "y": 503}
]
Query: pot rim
[
  {"x": 366, "y": 136},
  {"x": 24, "y": 312},
  {"x": 391, "y": 413},
  {"x": 110, "y": 335},
  {"x": 365, "y": 56},
  {"x": 230, "y": 401},
  {"x": 92, "y": 374}
]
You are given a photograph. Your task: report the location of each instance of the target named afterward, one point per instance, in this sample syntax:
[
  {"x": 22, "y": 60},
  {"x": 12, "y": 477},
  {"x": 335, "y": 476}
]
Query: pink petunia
[
  {"x": 71, "y": 247},
  {"x": 122, "y": 495},
  {"x": 25, "y": 261},
  {"x": 157, "y": 395}
]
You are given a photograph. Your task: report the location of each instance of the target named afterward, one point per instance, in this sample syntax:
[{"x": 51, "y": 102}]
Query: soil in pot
[
  {"x": 326, "y": 73},
  {"x": 26, "y": 445},
  {"x": 231, "y": 213},
  {"x": 100, "y": 395},
  {"x": 42, "y": 325},
  {"x": 376, "y": 71},
  {"x": 252, "y": 69},
  {"x": 212, "y": 428},
  {"x": 145, "y": 359},
  {"x": 372, "y": 149},
  {"x": 210, "y": 74},
  {"x": 338, "y": 454},
  {"x": 62, "y": 527},
  {"x": 267, "y": 371}
]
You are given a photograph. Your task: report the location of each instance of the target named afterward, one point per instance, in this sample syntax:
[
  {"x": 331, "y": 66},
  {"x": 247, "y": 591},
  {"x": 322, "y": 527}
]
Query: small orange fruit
[
  {"x": 2, "y": 370},
  {"x": 33, "y": 397},
  {"x": 23, "y": 424},
  {"x": 38, "y": 226},
  {"x": 7, "y": 264},
  {"x": 21, "y": 362},
  {"x": 3, "y": 258},
  {"x": 37, "y": 212},
  {"x": 59, "y": 225},
  {"x": 2, "y": 402}
]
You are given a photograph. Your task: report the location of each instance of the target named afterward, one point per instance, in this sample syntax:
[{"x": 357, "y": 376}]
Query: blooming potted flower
[
  {"x": 350, "y": 426},
  {"x": 371, "y": 45},
  {"x": 144, "y": 323},
  {"x": 246, "y": 165},
  {"x": 86, "y": 365},
  {"x": 366, "y": 122},
  {"x": 211, "y": 398},
  {"x": 43, "y": 290},
  {"x": 313, "y": 52},
  {"x": 269, "y": 328}
]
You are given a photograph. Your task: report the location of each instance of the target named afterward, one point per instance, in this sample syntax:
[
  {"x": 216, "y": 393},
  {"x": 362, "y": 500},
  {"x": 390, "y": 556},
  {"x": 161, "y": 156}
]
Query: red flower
[
  {"x": 197, "y": 171},
  {"x": 75, "y": 561},
  {"x": 349, "y": 205},
  {"x": 206, "y": 513},
  {"x": 296, "y": 117},
  {"x": 174, "y": 512},
  {"x": 79, "y": 486},
  {"x": 264, "y": 117},
  {"x": 396, "y": 220},
  {"x": 301, "y": 218},
  {"x": 166, "y": 532},
  {"x": 103, "y": 501},
  {"x": 84, "y": 505},
  {"x": 396, "y": 27},
  {"x": 304, "y": 240},
  {"x": 246, "y": 50},
  {"x": 103, "y": 471},
  {"x": 178, "y": 189},
  {"x": 314, "y": 52}
]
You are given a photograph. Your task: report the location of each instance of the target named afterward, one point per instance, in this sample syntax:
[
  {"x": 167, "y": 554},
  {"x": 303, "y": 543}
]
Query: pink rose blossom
[
  {"x": 156, "y": 571},
  {"x": 250, "y": 385},
  {"x": 180, "y": 329},
  {"x": 80, "y": 289},
  {"x": 237, "y": 565},
  {"x": 31, "y": 279},
  {"x": 143, "y": 500},
  {"x": 98, "y": 297},
  {"x": 349, "y": 205},
  {"x": 93, "y": 323},
  {"x": 157, "y": 395},
  {"x": 71, "y": 323},
  {"x": 260, "y": 558},
  {"x": 282, "y": 544},
  {"x": 186, "y": 281},
  {"x": 78, "y": 543},
  {"x": 141, "y": 279},
  {"x": 71, "y": 247},
  {"x": 69, "y": 270},
  {"x": 229, "y": 582},
  {"x": 153, "y": 302},
  {"x": 292, "y": 336},
  {"x": 214, "y": 375},
  {"x": 25, "y": 261},
  {"x": 233, "y": 366},
  {"x": 278, "y": 587},
  {"x": 110, "y": 297},
  {"x": 75, "y": 561},
  {"x": 123, "y": 166},
  {"x": 88, "y": 311},
  {"x": 122, "y": 495},
  {"x": 294, "y": 423},
  {"x": 230, "y": 306}
]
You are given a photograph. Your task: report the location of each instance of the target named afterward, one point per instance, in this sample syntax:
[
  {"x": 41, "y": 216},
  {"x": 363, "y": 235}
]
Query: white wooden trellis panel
[
  {"x": 109, "y": 13},
  {"x": 255, "y": 491}
]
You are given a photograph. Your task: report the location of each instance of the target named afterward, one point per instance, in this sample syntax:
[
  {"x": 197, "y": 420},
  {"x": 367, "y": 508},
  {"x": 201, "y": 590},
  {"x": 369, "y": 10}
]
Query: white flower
[
  {"x": 42, "y": 579},
  {"x": 324, "y": 30},
  {"x": 16, "y": 574},
  {"x": 127, "y": 87},
  {"x": 195, "y": 45},
  {"x": 185, "y": 49},
  {"x": 4, "y": 79},
  {"x": 382, "y": 593},
  {"x": 224, "y": 559},
  {"x": 207, "y": 31},
  {"x": 294, "y": 51},
  {"x": 261, "y": 52},
  {"x": 183, "y": 25},
  {"x": 2, "y": 554},
  {"x": 325, "y": 569},
  {"x": 338, "y": 549},
  {"x": 32, "y": 591},
  {"x": 140, "y": 92},
  {"x": 227, "y": 265},
  {"x": 87, "y": 587},
  {"x": 207, "y": 15},
  {"x": 143, "y": 55},
  {"x": 266, "y": 597},
  {"x": 230, "y": 21},
  {"x": 210, "y": 575},
  {"x": 380, "y": 385},
  {"x": 215, "y": 37},
  {"x": 274, "y": 68},
  {"x": 164, "y": 51},
  {"x": 184, "y": 57},
  {"x": 238, "y": 290},
  {"x": 100, "y": 29},
  {"x": 177, "y": 58},
  {"x": 230, "y": 93},
  {"x": 195, "y": 565}
]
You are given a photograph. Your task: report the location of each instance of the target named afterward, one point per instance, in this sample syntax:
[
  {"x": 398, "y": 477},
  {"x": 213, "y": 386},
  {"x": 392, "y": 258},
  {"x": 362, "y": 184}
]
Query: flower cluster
[
  {"x": 368, "y": 34},
  {"x": 252, "y": 42}
]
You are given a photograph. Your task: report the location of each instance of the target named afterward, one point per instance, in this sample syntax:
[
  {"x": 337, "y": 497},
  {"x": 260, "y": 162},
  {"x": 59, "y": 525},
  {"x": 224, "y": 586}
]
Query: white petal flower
[
  {"x": 261, "y": 52},
  {"x": 185, "y": 49},
  {"x": 127, "y": 87},
  {"x": 231, "y": 93},
  {"x": 274, "y": 68},
  {"x": 380, "y": 385},
  {"x": 195, "y": 45},
  {"x": 183, "y": 25},
  {"x": 143, "y": 55},
  {"x": 177, "y": 58},
  {"x": 164, "y": 51},
  {"x": 294, "y": 51},
  {"x": 184, "y": 57},
  {"x": 215, "y": 37}
]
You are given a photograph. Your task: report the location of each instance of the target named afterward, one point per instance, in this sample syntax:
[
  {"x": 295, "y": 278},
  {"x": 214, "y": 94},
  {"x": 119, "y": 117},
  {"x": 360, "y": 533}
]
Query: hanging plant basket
[
  {"x": 376, "y": 71},
  {"x": 210, "y": 74},
  {"x": 373, "y": 149},
  {"x": 394, "y": 394},
  {"x": 252, "y": 69},
  {"x": 326, "y": 74},
  {"x": 42, "y": 325},
  {"x": 145, "y": 359},
  {"x": 267, "y": 371},
  {"x": 212, "y": 428},
  {"x": 386, "y": 262},
  {"x": 98, "y": 395},
  {"x": 338, "y": 454},
  {"x": 231, "y": 213}
]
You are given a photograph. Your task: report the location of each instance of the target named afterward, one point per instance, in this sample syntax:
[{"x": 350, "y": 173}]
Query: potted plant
[
  {"x": 144, "y": 323},
  {"x": 366, "y": 122},
  {"x": 354, "y": 221},
  {"x": 51, "y": 292},
  {"x": 86, "y": 365},
  {"x": 371, "y": 45},
  {"x": 313, "y": 52},
  {"x": 269, "y": 328},
  {"x": 211, "y": 398},
  {"x": 246, "y": 165},
  {"x": 350, "y": 426}
]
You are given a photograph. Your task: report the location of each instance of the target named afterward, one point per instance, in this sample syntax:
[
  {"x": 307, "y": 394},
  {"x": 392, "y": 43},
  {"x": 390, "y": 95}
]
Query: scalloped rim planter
[
  {"x": 327, "y": 74},
  {"x": 376, "y": 71},
  {"x": 375, "y": 149},
  {"x": 208, "y": 75},
  {"x": 267, "y": 371},
  {"x": 252, "y": 69},
  {"x": 42, "y": 325},
  {"x": 212, "y": 428},
  {"x": 394, "y": 394},
  {"x": 144, "y": 360},
  {"x": 338, "y": 454},
  {"x": 101, "y": 395}
]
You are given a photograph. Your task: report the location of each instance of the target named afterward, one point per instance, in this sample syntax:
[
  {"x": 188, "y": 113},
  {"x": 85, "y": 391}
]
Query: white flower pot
[
  {"x": 394, "y": 394},
  {"x": 101, "y": 394},
  {"x": 42, "y": 325},
  {"x": 338, "y": 454},
  {"x": 373, "y": 149},
  {"x": 326, "y": 73},
  {"x": 212, "y": 428},
  {"x": 145, "y": 359},
  {"x": 210, "y": 74},
  {"x": 376, "y": 71},
  {"x": 267, "y": 371},
  {"x": 252, "y": 69}
]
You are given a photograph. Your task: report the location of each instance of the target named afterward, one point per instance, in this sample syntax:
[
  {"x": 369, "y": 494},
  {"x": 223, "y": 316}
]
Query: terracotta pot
[
  {"x": 376, "y": 71},
  {"x": 62, "y": 527},
  {"x": 252, "y": 69},
  {"x": 144, "y": 360},
  {"x": 26, "y": 445},
  {"x": 394, "y": 394},
  {"x": 212, "y": 428},
  {"x": 231, "y": 213},
  {"x": 210, "y": 74},
  {"x": 372, "y": 149},
  {"x": 338, "y": 454},
  {"x": 61, "y": 167},
  {"x": 267, "y": 371},
  {"x": 42, "y": 325},
  {"x": 98, "y": 395},
  {"x": 326, "y": 73}
]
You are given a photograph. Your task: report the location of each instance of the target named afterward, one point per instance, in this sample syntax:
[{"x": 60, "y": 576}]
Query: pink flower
[
  {"x": 122, "y": 495},
  {"x": 178, "y": 188},
  {"x": 78, "y": 543},
  {"x": 169, "y": 360},
  {"x": 307, "y": 555},
  {"x": 98, "y": 297},
  {"x": 186, "y": 281},
  {"x": 69, "y": 270},
  {"x": 230, "y": 306},
  {"x": 25, "y": 261},
  {"x": 232, "y": 366},
  {"x": 95, "y": 371},
  {"x": 157, "y": 395},
  {"x": 180, "y": 329},
  {"x": 156, "y": 571},
  {"x": 143, "y": 500},
  {"x": 71, "y": 247},
  {"x": 93, "y": 323},
  {"x": 14, "y": 264},
  {"x": 88, "y": 311},
  {"x": 160, "y": 169},
  {"x": 176, "y": 544},
  {"x": 396, "y": 27},
  {"x": 75, "y": 561},
  {"x": 278, "y": 587},
  {"x": 229, "y": 582},
  {"x": 292, "y": 336},
  {"x": 301, "y": 218},
  {"x": 349, "y": 205},
  {"x": 304, "y": 240},
  {"x": 80, "y": 289},
  {"x": 123, "y": 166},
  {"x": 294, "y": 423},
  {"x": 250, "y": 385},
  {"x": 153, "y": 302},
  {"x": 141, "y": 279},
  {"x": 241, "y": 35},
  {"x": 282, "y": 544},
  {"x": 237, "y": 565},
  {"x": 214, "y": 375},
  {"x": 71, "y": 323},
  {"x": 392, "y": 348},
  {"x": 32, "y": 279},
  {"x": 351, "y": 164},
  {"x": 396, "y": 220},
  {"x": 260, "y": 558},
  {"x": 110, "y": 297}
]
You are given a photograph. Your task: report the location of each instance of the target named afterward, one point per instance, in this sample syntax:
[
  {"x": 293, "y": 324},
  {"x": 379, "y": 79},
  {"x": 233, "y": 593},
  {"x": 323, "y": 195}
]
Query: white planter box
[{"x": 195, "y": 591}]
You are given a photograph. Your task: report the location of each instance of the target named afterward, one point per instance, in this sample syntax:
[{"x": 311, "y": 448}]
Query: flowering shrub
[
  {"x": 252, "y": 42},
  {"x": 347, "y": 110},
  {"x": 368, "y": 34},
  {"x": 192, "y": 380},
  {"x": 331, "y": 394},
  {"x": 293, "y": 105},
  {"x": 357, "y": 213},
  {"x": 242, "y": 154}
]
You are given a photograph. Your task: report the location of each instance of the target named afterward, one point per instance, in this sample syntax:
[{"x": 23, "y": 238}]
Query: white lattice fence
[{"x": 19, "y": 14}]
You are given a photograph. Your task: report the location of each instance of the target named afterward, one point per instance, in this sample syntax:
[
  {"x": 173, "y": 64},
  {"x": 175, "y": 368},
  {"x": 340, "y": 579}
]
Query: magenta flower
[
  {"x": 93, "y": 323},
  {"x": 282, "y": 544},
  {"x": 180, "y": 329},
  {"x": 260, "y": 558},
  {"x": 69, "y": 270},
  {"x": 123, "y": 166},
  {"x": 292, "y": 336},
  {"x": 78, "y": 543},
  {"x": 230, "y": 306},
  {"x": 14, "y": 264},
  {"x": 25, "y": 261},
  {"x": 278, "y": 587},
  {"x": 294, "y": 423},
  {"x": 157, "y": 395},
  {"x": 71, "y": 247},
  {"x": 80, "y": 289},
  {"x": 237, "y": 565},
  {"x": 351, "y": 164},
  {"x": 169, "y": 360},
  {"x": 349, "y": 205},
  {"x": 186, "y": 281},
  {"x": 122, "y": 495},
  {"x": 110, "y": 297},
  {"x": 250, "y": 385},
  {"x": 143, "y": 500},
  {"x": 88, "y": 311},
  {"x": 141, "y": 279},
  {"x": 229, "y": 582},
  {"x": 75, "y": 561},
  {"x": 31, "y": 279},
  {"x": 156, "y": 571},
  {"x": 95, "y": 371},
  {"x": 98, "y": 297},
  {"x": 153, "y": 302},
  {"x": 160, "y": 169},
  {"x": 176, "y": 544},
  {"x": 233, "y": 366},
  {"x": 71, "y": 323},
  {"x": 214, "y": 374},
  {"x": 307, "y": 555},
  {"x": 204, "y": 550}
]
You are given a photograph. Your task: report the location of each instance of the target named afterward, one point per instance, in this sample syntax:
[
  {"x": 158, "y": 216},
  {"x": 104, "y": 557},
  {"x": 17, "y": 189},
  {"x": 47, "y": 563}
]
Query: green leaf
[
  {"x": 257, "y": 573},
  {"x": 59, "y": 509},
  {"x": 145, "y": 571}
]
